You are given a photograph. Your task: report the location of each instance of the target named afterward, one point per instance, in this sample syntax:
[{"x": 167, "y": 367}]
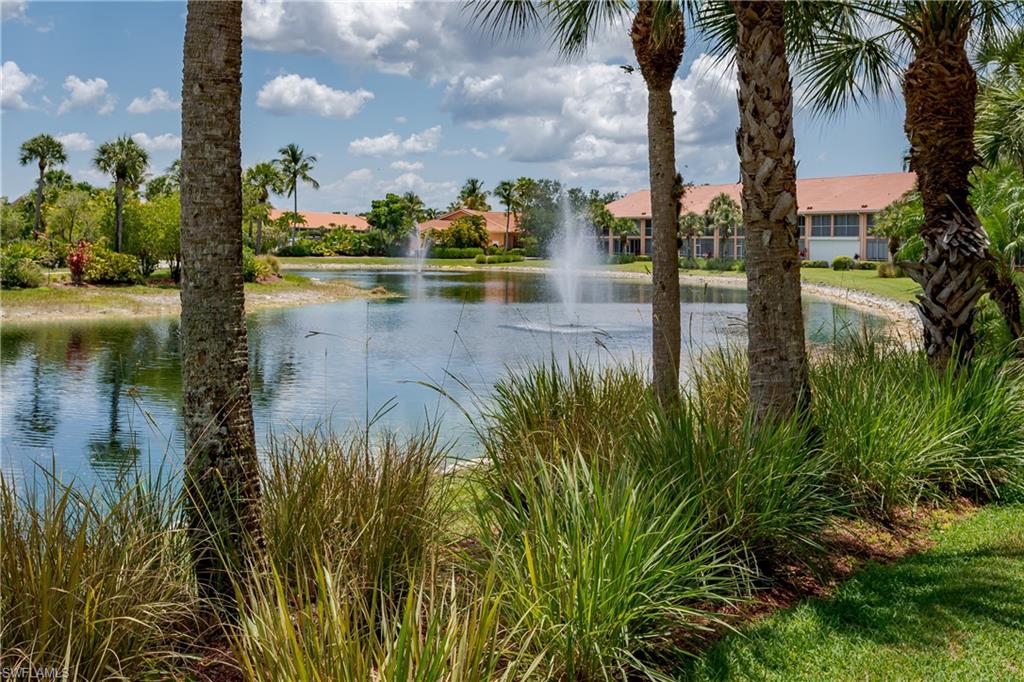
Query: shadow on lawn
[{"x": 918, "y": 605}]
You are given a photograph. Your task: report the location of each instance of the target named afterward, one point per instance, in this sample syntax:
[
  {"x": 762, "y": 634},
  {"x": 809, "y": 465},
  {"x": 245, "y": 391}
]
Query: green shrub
[
  {"x": 643, "y": 258},
  {"x": 719, "y": 264},
  {"x": 19, "y": 273},
  {"x": 621, "y": 259},
  {"x": 270, "y": 263},
  {"x": 443, "y": 252},
  {"x": 890, "y": 271},
  {"x": 843, "y": 263},
  {"x": 867, "y": 265},
  {"x": 501, "y": 258},
  {"x": 686, "y": 263},
  {"x": 109, "y": 267},
  {"x": 302, "y": 248},
  {"x": 94, "y": 582},
  {"x": 253, "y": 268},
  {"x": 814, "y": 264}
]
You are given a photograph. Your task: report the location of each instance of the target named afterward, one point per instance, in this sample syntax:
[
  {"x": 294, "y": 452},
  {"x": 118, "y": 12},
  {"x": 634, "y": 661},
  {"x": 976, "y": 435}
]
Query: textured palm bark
[
  {"x": 659, "y": 54},
  {"x": 779, "y": 384},
  {"x": 940, "y": 89},
  {"x": 222, "y": 484}
]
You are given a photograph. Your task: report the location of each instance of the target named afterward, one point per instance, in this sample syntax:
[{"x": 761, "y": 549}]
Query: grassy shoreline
[{"x": 58, "y": 301}]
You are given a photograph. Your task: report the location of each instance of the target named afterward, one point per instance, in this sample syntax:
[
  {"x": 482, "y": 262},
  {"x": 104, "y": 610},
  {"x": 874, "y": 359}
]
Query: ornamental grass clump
[
  {"x": 370, "y": 507},
  {"x": 444, "y": 629},
  {"x": 603, "y": 571},
  {"x": 95, "y": 584},
  {"x": 761, "y": 487}
]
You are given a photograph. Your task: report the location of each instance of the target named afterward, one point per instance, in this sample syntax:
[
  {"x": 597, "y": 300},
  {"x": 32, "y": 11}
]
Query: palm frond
[
  {"x": 574, "y": 23},
  {"x": 845, "y": 68},
  {"x": 507, "y": 19}
]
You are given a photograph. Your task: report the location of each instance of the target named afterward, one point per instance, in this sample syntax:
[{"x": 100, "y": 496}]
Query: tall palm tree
[
  {"x": 923, "y": 45},
  {"x": 761, "y": 37},
  {"x": 999, "y": 133},
  {"x": 506, "y": 193},
  {"x": 46, "y": 151},
  {"x": 473, "y": 195},
  {"x": 222, "y": 470},
  {"x": 264, "y": 178},
  {"x": 724, "y": 215},
  {"x": 296, "y": 165},
  {"x": 657, "y": 32},
  {"x": 126, "y": 161}
]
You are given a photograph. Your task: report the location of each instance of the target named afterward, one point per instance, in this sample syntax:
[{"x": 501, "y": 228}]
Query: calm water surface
[{"x": 97, "y": 395}]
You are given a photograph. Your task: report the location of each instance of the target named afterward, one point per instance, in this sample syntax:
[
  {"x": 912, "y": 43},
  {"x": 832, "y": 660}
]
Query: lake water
[{"x": 97, "y": 395}]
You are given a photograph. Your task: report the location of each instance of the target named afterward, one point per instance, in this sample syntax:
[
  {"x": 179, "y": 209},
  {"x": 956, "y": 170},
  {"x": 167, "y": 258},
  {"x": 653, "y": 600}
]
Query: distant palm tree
[
  {"x": 691, "y": 226},
  {"x": 46, "y": 151},
  {"x": 508, "y": 196},
  {"x": 473, "y": 195},
  {"x": 296, "y": 165},
  {"x": 126, "y": 161},
  {"x": 923, "y": 45},
  {"x": 724, "y": 215},
  {"x": 264, "y": 177},
  {"x": 414, "y": 204},
  {"x": 658, "y": 35},
  {"x": 222, "y": 469}
]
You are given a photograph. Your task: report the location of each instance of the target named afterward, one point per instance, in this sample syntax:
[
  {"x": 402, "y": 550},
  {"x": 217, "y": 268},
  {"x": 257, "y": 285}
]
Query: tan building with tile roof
[
  {"x": 836, "y": 214},
  {"x": 494, "y": 223}
]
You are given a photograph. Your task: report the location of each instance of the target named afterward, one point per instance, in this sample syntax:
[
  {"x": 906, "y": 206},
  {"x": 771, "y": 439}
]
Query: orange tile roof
[
  {"x": 850, "y": 193},
  {"x": 494, "y": 221},
  {"x": 319, "y": 220}
]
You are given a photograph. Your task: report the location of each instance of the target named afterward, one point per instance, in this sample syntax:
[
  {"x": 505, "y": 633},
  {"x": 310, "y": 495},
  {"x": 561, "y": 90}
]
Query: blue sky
[{"x": 391, "y": 96}]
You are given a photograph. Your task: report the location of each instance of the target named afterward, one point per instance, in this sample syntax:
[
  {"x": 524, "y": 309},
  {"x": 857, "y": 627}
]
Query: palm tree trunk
[
  {"x": 119, "y": 216},
  {"x": 39, "y": 199},
  {"x": 259, "y": 236},
  {"x": 778, "y": 374},
  {"x": 659, "y": 60},
  {"x": 295, "y": 194},
  {"x": 894, "y": 248},
  {"x": 506, "y": 229},
  {"x": 940, "y": 128},
  {"x": 222, "y": 471}
]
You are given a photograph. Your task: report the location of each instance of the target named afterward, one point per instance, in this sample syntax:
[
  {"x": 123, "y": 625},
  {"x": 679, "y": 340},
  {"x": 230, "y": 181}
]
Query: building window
[
  {"x": 871, "y": 222},
  {"x": 821, "y": 226},
  {"x": 648, "y": 228},
  {"x": 648, "y": 246},
  {"x": 740, "y": 251},
  {"x": 803, "y": 223},
  {"x": 705, "y": 248},
  {"x": 847, "y": 225},
  {"x": 740, "y": 231},
  {"x": 878, "y": 249}
]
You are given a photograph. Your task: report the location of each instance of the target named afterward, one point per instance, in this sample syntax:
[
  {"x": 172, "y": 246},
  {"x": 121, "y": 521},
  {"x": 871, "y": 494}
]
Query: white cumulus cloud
[
  {"x": 391, "y": 144},
  {"x": 158, "y": 143},
  {"x": 87, "y": 94},
  {"x": 407, "y": 165},
  {"x": 76, "y": 142},
  {"x": 158, "y": 100},
  {"x": 14, "y": 83},
  {"x": 293, "y": 94}
]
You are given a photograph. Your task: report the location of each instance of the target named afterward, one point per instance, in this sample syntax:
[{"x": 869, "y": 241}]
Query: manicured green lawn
[
  {"x": 901, "y": 288},
  {"x": 953, "y": 612}
]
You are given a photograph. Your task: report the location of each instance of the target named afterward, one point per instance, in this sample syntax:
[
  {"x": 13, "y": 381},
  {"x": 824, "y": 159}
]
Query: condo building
[{"x": 835, "y": 214}]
